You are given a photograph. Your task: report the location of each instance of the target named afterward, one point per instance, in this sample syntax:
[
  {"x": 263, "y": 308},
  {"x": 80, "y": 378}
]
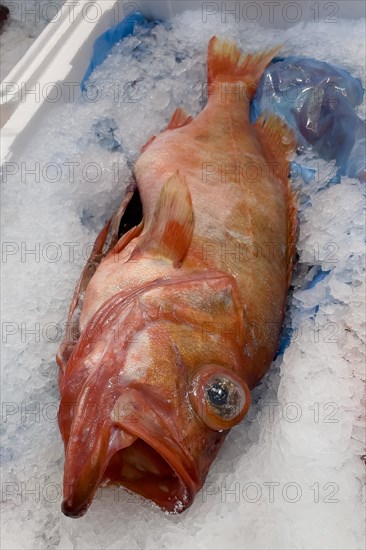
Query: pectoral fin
[{"x": 170, "y": 231}]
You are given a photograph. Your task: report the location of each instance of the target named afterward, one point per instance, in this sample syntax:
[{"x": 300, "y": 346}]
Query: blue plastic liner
[
  {"x": 318, "y": 101},
  {"x": 105, "y": 42}
]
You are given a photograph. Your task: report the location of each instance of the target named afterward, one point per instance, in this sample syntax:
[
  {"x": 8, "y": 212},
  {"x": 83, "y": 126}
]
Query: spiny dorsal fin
[
  {"x": 147, "y": 144},
  {"x": 279, "y": 142},
  {"x": 170, "y": 231},
  {"x": 179, "y": 119}
]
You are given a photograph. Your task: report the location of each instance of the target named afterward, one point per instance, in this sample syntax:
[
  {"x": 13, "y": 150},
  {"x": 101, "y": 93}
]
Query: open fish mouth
[
  {"x": 145, "y": 471},
  {"x": 144, "y": 458}
]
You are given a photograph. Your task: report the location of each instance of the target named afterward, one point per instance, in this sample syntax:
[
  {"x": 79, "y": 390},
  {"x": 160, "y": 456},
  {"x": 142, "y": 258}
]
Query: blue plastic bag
[
  {"x": 105, "y": 42},
  {"x": 318, "y": 101}
]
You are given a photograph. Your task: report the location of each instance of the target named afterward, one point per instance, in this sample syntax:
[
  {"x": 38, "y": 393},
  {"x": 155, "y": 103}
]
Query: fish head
[{"x": 156, "y": 382}]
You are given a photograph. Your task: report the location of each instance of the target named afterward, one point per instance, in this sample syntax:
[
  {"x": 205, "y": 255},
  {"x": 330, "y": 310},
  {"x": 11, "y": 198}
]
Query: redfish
[{"x": 177, "y": 315}]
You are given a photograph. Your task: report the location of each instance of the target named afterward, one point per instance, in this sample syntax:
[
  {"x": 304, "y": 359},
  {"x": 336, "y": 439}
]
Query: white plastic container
[{"x": 53, "y": 67}]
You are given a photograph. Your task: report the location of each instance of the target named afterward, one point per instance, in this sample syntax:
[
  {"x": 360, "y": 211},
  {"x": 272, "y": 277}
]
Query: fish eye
[
  {"x": 224, "y": 396},
  {"x": 218, "y": 393},
  {"x": 219, "y": 396}
]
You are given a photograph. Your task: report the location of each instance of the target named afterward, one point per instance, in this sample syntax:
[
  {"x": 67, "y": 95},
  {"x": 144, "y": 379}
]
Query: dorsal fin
[
  {"x": 179, "y": 119},
  {"x": 279, "y": 142},
  {"x": 146, "y": 145},
  {"x": 170, "y": 231}
]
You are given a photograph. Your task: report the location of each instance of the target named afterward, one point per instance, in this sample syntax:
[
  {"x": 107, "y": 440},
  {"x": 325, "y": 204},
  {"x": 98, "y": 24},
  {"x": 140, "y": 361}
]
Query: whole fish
[{"x": 177, "y": 316}]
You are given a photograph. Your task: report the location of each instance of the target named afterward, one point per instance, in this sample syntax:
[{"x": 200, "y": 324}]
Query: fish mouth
[
  {"x": 148, "y": 472},
  {"x": 151, "y": 463}
]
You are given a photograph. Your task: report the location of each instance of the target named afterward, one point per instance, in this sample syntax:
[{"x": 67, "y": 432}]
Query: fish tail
[{"x": 227, "y": 64}]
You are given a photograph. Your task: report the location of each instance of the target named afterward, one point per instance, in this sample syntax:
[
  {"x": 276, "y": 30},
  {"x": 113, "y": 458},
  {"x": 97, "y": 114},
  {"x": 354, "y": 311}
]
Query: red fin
[
  {"x": 227, "y": 64},
  {"x": 279, "y": 143},
  {"x": 127, "y": 238},
  {"x": 149, "y": 142},
  {"x": 178, "y": 120},
  {"x": 170, "y": 232}
]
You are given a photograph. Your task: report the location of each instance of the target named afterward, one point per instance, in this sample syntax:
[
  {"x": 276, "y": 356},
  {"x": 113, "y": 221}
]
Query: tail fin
[{"x": 227, "y": 64}]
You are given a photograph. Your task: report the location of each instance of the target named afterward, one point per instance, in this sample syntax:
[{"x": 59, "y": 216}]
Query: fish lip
[
  {"x": 158, "y": 435},
  {"x": 71, "y": 511},
  {"x": 189, "y": 483}
]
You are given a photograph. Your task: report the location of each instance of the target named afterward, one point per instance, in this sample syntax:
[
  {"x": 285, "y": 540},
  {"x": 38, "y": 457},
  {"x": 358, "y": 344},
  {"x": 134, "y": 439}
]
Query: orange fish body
[{"x": 178, "y": 320}]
